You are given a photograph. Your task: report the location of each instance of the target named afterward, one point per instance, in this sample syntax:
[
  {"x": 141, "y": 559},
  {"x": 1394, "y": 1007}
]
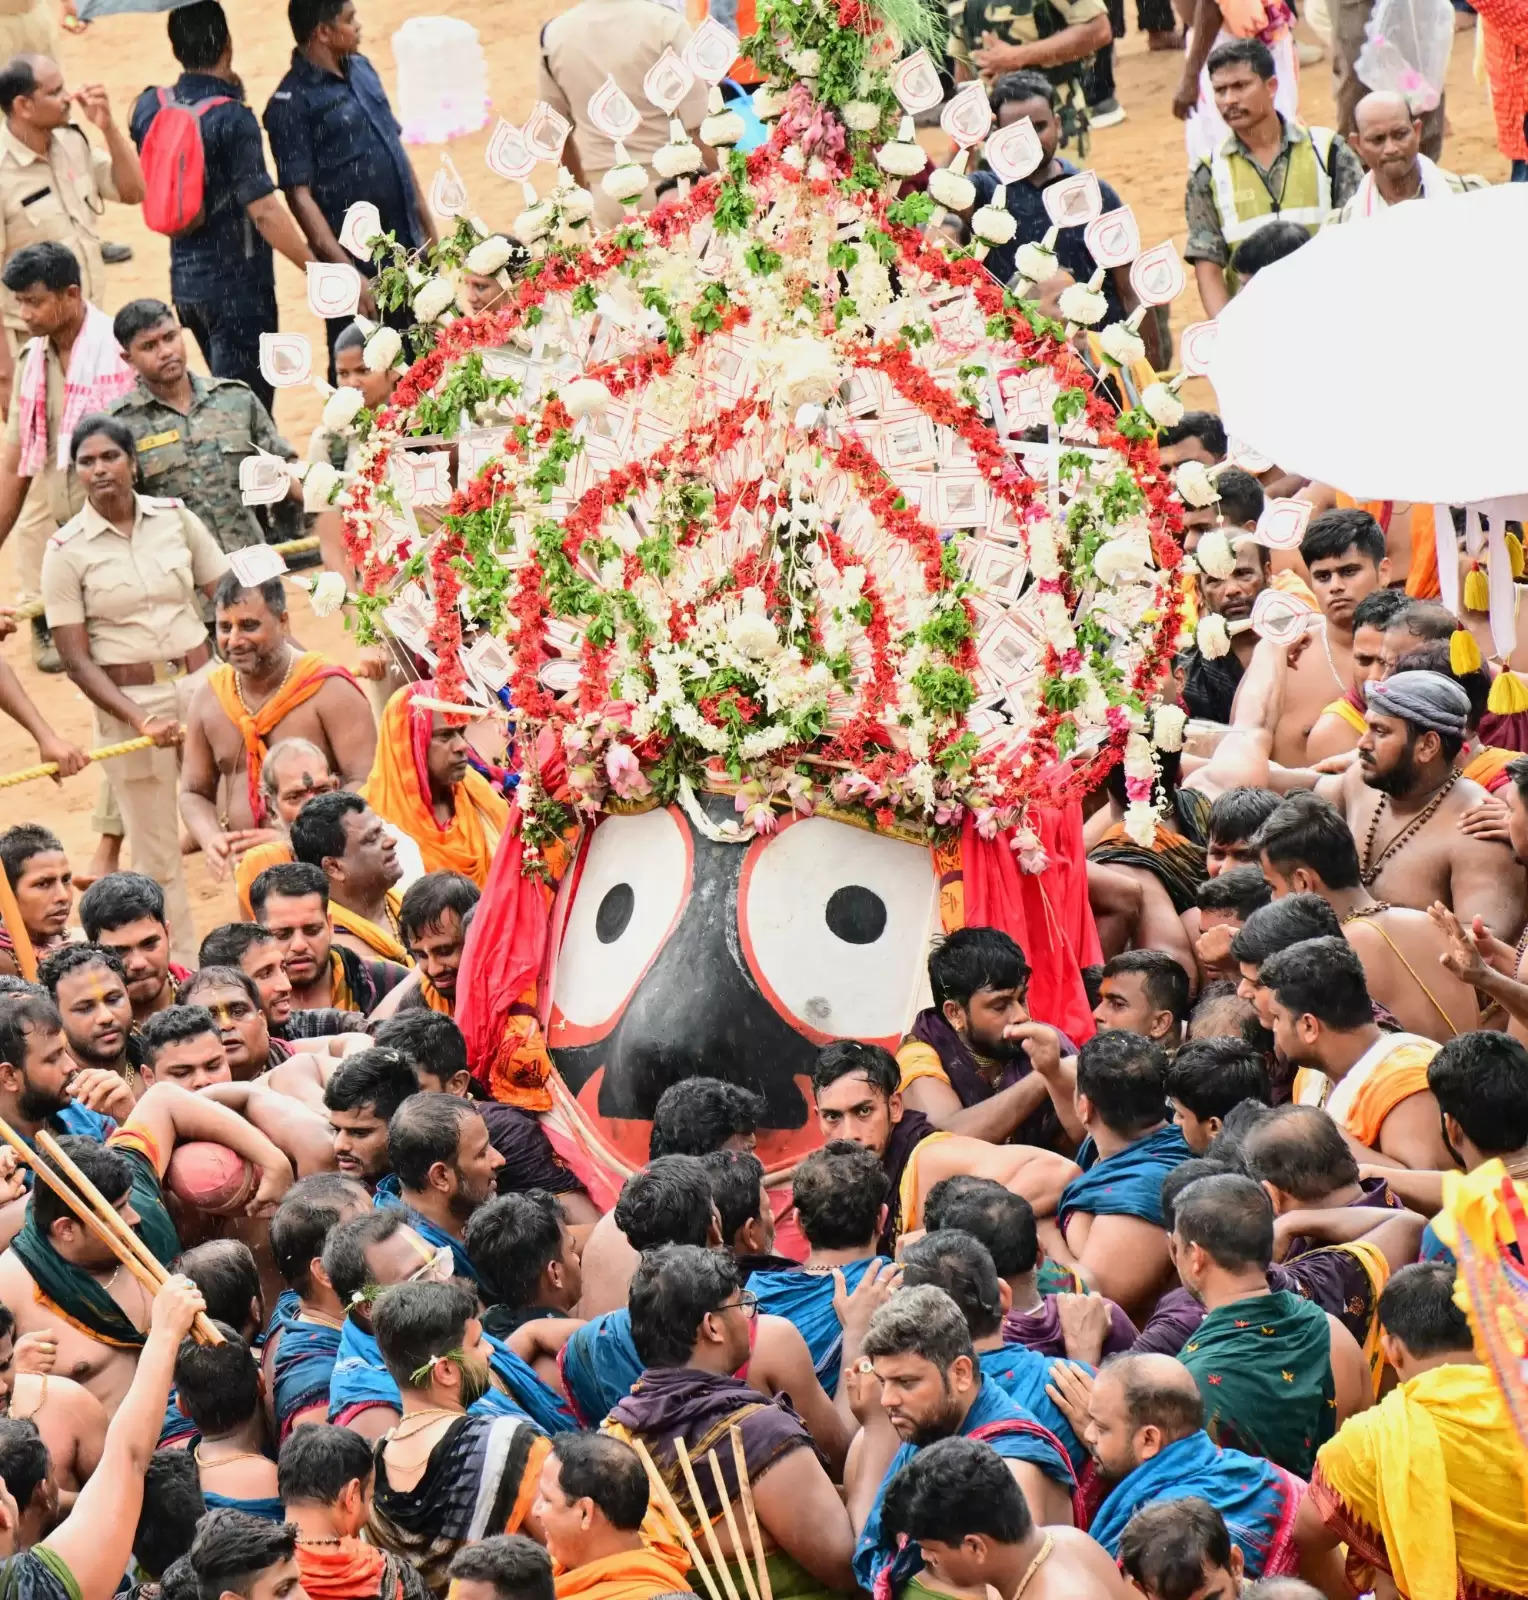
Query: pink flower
[
  {"x": 1118, "y": 719},
  {"x": 1138, "y": 790},
  {"x": 987, "y": 822},
  {"x": 625, "y": 773}
]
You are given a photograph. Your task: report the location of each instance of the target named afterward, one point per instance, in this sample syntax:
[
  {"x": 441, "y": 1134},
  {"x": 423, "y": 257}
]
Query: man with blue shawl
[
  {"x": 932, "y": 1387},
  {"x": 1111, "y": 1215},
  {"x": 840, "y": 1199},
  {"x": 1146, "y": 1430}
]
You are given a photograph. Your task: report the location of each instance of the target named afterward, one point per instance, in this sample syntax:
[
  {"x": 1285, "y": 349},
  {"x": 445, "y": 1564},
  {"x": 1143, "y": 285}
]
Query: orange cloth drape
[
  {"x": 1422, "y": 574},
  {"x": 251, "y": 864}
]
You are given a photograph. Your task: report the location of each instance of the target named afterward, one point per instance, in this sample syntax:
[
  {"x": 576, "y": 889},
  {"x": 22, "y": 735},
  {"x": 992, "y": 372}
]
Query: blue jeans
[{"x": 1520, "y": 172}]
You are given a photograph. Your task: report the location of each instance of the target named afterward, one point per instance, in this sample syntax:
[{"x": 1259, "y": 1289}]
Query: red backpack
[{"x": 175, "y": 165}]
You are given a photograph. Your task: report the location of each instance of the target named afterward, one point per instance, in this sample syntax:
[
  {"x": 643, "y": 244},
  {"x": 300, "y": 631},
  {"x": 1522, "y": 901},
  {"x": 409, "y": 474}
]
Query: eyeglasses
[
  {"x": 437, "y": 1267},
  {"x": 747, "y": 1302}
]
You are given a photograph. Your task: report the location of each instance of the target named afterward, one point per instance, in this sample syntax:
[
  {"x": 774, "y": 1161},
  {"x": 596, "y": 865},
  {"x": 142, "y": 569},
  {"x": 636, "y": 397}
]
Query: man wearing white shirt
[{"x": 1388, "y": 140}]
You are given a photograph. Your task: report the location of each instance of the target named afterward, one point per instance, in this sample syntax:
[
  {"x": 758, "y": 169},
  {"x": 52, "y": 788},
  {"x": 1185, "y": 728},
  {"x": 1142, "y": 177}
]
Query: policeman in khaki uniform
[
  {"x": 192, "y": 432},
  {"x": 120, "y": 585}
]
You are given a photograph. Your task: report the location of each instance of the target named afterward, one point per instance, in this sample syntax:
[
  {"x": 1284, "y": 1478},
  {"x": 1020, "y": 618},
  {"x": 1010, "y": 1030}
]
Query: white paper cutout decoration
[
  {"x": 1157, "y": 274},
  {"x": 334, "y": 289},
  {"x": 667, "y": 82},
  {"x": 546, "y": 132},
  {"x": 508, "y": 153},
  {"x": 611, "y": 111},
  {"x": 1283, "y": 523},
  {"x": 263, "y": 480},
  {"x": 1241, "y": 454},
  {"x": 1282, "y": 618},
  {"x": 916, "y": 83},
  {"x": 1014, "y": 152},
  {"x": 448, "y": 194},
  {"x": 286, "y": 359},
  {"x": 257, "y": 564},
  {"x": 362, "y": 224},
  {"x": 711, "y": 51},
  {"x": 1074, "y": 201},
  {"x": 967, "y": 118},
  {"x": 1113, "y": 239},
  {"x": 1196, "y": 348}
]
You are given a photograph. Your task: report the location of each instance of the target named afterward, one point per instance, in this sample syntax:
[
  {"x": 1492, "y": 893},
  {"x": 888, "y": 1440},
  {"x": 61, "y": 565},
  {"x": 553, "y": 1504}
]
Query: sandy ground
[{"x": 1143, "y": 158}]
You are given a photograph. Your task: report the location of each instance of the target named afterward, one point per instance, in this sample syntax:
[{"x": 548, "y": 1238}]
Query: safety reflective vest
[{"x": 1242, "y": 196}]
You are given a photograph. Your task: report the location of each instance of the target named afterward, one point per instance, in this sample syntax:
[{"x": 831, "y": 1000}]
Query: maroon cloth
[
  {"x": 1041, "y": 1127},
  {"x": 1040, "y": 1330},
  {"x": 1371, "y": 1192},
  {"x": 906, "y": 1135}
]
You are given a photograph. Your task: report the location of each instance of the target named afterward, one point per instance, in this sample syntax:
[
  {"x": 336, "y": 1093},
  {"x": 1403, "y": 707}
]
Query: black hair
[
  {"x": 961, "y": 1265},
  {"x": 971, "y": 959},
  {"x": 1435, "y": 656},
  {"x": 1417, "y": 1307},
  {"x": 117, "y": 899},
  {"x": 1300, "y": 1150},
  {"x": 1182, "y": 1175},
  {"x": 318, "y": 830},
  {"x": 98, "y": 424},
  {"x": 22, "y": 1015},
  {"x": 1235, "y": 1129},
  {"x": 1204, "y": 426},
  {"x": 174, "y": 1025},
  {"x": 1481, "y": 1081},
  {"x": 345, "y": 1250},
  {"x": 597, "y": 1467},
  {"x": 233, "y": 591},
  {"x": 1287, "y": 922},
  {"x": 19, "y": 844},
  {"x": 317, "y": 1460},
  {"x": 1239, "y": 890},
  {"x": 1241, "y": 500},
  {"x": 225, "y": 1272},
  {"x": 232, "y": 1548},
  {"x": 172, "y": 1507},
  {"x": 72, "y": 957},
  {"x": 1231, "y": 1217},
  {"x": 698, "y": 1115},
  {"x": 17, "y": 79},
  {"x": 667, "y": 1202},
  {"x": 514, "y": 1567},
  {"x": 845, "y": 1057},
  {"x": 1000, "y": 1219},
  {"x": 1124, "y": 1075},
  {"x": 1168, "y": 1546},
  {"x": 291, "y": 879},
  {"x": 1014, "y": 87},
  {"x": 428, "y": 1041},
  {"x": 1242, "y": 53},
  {"x": 736, "y": 1177},
  {"x": 1380, "y": 608},
  {"x": 1237, "y": 814},
  {"x": 425, "y": 1129},
  {"x": 1322, "y": 978},
  {"x": 55, "y": 266},
  {"x": 198, "y": 37},
  {"x": 308, "y": 1212},
  {"x": 379, "y": 1078},
  {"x": 7, "y": 1322},
  {"x": 218, "y": 978},
  {"x": 417, "y": 1323},
  {"x": 1335, "y": 532},
  {"x": 1210, "y": 1076},
  {"x": 218, "y": 1384},
  {"x": 1164, "y": 980},
  {"x": 955, "y": 1488},
  {"x": 109, "y": 1170},
  {"x": 1425, "y": 621},
  {"x": 24, "y": 1459},
  {"x": 673, "y": 1289},
  {"x": 924, "y": 1322},
  {"x": 1305, "y": 831},
  {"x": 306, "y": 17},
  {"x": 427, "y": 900},
  {"x": 838, "y": 1193},
  {"x": 138, "y": 316},
  {"x": 511, "y": 1241},
  {"x": 1155, "y": 1395},
  {"x": 227, "y": 945},
  {"x": 1277, "y": 238},
  {"x": 178, "y": 1580}
]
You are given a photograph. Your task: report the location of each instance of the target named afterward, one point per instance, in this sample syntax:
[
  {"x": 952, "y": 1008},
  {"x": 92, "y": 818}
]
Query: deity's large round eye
[
  {"x": 834, "y": 922},
  {"x": 634, "y": 884}
]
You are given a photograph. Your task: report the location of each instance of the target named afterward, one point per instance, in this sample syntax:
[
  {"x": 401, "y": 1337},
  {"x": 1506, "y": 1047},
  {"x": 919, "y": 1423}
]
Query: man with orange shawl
[
  {"x": 1426, "y": 1487},
  {"x": 268, "y": 690},
  {"x": 422, "y": 782}
]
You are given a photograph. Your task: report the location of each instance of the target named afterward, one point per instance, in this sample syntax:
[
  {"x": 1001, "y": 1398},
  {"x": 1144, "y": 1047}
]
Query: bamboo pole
[
  {"x": 671, "y": 1510},
  {"x": 739, "y": 1549},
  {"x": 707, "y": 1527},
  {"x": 750, "y": 1512}
]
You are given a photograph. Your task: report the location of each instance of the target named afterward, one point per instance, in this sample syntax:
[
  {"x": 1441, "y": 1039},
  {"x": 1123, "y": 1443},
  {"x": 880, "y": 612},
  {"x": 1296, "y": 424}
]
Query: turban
[{"x": 1426, "y": 700}]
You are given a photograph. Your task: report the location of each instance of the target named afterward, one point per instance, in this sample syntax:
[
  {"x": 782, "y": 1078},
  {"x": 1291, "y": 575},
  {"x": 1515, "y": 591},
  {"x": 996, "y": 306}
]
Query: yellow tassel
[
  {"x": 1477, "y": 591},
  {"x": 1509, "y": 694},
  {"x": 1514, "y": 554},
  {"x": 1463, "y": 652}
]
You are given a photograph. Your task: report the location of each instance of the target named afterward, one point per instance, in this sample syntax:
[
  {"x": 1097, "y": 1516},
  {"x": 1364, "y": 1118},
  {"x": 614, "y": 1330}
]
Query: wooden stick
[
  {"x": 202, "y": 1327},
  {"x": 707, "y": 1527},
  {"x": 451, "y": 708},
  {"x": 676, "y": 1517},
  {"x": 46, "y": 769},
  {"x": 739, "y": 1550},
  {"x": 750, "y": 1513},
  {"x": 21, "y": 940}
]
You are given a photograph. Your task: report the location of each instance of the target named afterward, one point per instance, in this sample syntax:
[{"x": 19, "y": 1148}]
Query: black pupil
[
  {"x": 857, "y": 915},
  {"x": 614, "y": 913}
]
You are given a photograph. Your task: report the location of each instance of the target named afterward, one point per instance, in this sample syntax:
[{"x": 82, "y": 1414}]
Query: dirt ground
[{"x": 1143, "y": 158}]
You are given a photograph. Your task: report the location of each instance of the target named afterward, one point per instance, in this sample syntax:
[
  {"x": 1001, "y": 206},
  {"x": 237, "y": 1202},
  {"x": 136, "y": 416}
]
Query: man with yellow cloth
[
  {"x": 1426, "y": 1488},
  {"x": 349, "y": 843},
  {"x": 421, "y": 781},
  {"x": 268, "y": 690}
]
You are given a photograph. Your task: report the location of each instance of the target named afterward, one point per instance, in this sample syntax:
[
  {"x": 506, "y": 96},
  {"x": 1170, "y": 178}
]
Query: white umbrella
[{"x": 1387, "y": 356}]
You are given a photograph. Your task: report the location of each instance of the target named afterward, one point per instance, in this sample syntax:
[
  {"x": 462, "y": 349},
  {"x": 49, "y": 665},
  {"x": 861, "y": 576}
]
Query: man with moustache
[
  {"x": 89, "y": 987},
  {"x": 256, "y": 952},
  {"x": 34, "y": 862},
  {"x": 1341, "y": 723},
  {"x": 1209, "y": 687},
  {"x": 125, "y": 912}
]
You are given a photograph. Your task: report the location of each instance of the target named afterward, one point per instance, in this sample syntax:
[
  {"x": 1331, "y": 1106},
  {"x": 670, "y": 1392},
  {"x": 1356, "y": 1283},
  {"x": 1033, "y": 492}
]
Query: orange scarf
[
  {"x": 252, "y": 863},
  {"x": 348, "y": 1571},
  {"x": 632, "y": 1575},
  {"x": 398, "y": 790},
  {"x": 1488, "y": 766},
  {"x": 1422, "y": 574},
  {"x": 376, "y": 938},
  {"x": 432, "y": 997},
  {"x": 303, "y": 682}
]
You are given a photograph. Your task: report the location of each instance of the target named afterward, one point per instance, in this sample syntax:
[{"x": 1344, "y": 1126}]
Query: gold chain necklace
[
  {"x": 1371, "y": 864},
  {"x": 1033, "y": 1567},
  {"x": 433, "y": 1411},
  {"x": 238, "y": 688}
]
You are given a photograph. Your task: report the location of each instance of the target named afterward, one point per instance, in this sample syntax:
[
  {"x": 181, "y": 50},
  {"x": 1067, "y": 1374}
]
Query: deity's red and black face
[{"x": 679, "y": 956}]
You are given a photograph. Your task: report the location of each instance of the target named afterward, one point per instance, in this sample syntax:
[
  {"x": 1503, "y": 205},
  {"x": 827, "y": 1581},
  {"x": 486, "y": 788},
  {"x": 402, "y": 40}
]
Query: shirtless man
[
  {"x": 43, "y": 884},
  {"x": 1394, "y": 519},
  {"x": 269, "y": 690},
  {"x": 1340, "y": 724},
  {"x": 1306, "y": 847},
  {"x": 1344, "y": 553},
  {"x": 57, "y": 1276},
  {"x": 1404, "y": 797},
  {"x": 89, "y": 987},
  {"x": 70, "y": 1419}
]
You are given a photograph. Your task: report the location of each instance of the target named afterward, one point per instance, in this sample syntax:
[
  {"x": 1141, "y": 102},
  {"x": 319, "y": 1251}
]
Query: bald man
[{"x": 1387, "y": 138}]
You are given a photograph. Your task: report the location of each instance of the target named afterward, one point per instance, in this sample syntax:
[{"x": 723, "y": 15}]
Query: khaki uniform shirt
[
  {"x": 59, "y": 484},
  {"x": 61, "y": 197},
  {"x": 136, "y": 595},
  {"x": 195, "y": 455}
]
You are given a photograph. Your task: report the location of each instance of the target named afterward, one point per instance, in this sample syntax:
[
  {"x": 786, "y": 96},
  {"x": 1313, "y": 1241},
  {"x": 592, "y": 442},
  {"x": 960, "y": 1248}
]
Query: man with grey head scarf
[{"x": 1404, "y": 798}]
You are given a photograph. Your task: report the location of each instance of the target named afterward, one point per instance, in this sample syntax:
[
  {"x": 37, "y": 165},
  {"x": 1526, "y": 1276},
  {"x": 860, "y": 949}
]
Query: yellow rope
[{"x": 46, "y": 769}]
